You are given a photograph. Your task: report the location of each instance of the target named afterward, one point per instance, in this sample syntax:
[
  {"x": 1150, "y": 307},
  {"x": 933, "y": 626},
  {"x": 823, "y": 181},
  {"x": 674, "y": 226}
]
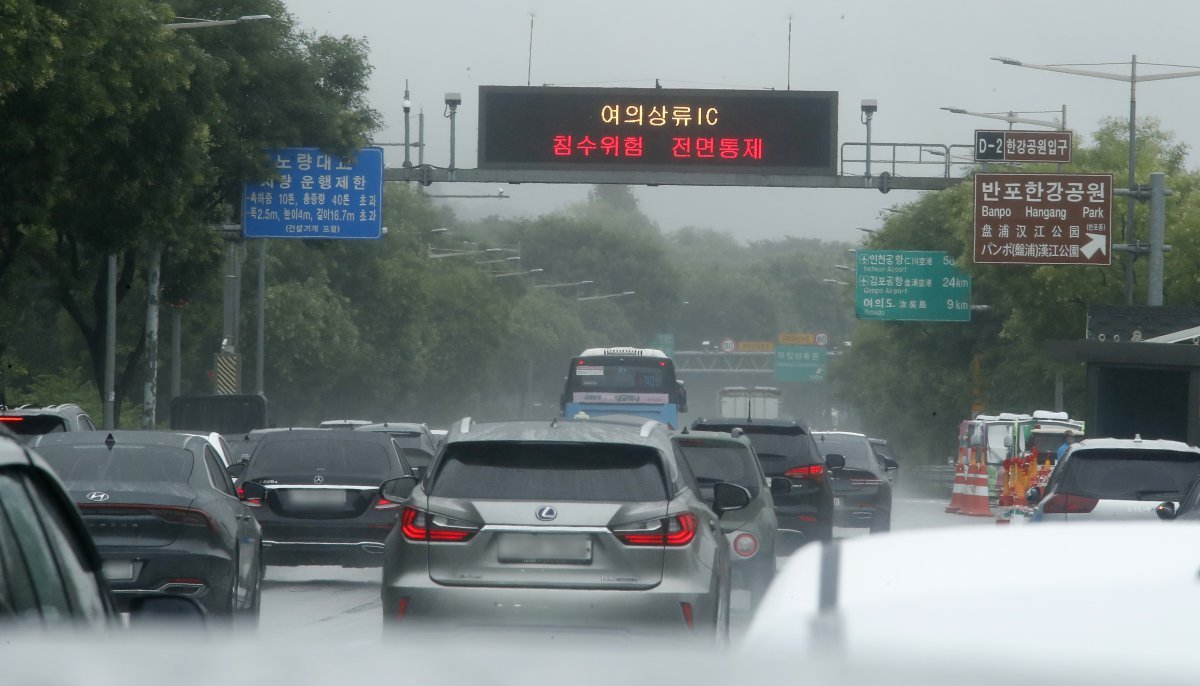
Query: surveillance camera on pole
[
  {"x": 453, "y": 100},
  {"x": 869, "y": 108}
]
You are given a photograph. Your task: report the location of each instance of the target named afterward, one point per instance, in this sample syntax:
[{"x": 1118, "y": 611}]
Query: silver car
[
  {"x": 556, "y": 526},
  {"x": 716, "y": 457}
]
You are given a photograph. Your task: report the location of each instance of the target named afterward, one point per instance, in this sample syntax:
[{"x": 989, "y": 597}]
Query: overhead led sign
[{"x": 656, "y": 129}]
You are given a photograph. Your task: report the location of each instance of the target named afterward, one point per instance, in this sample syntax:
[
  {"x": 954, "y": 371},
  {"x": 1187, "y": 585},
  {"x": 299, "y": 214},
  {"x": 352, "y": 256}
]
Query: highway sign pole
[
  {"x": 260, "y": 335},
  {"x": 1158, "y": 207}
]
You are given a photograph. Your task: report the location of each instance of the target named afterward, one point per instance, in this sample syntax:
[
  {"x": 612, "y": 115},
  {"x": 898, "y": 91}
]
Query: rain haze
[{"x": 912, "y": 57}]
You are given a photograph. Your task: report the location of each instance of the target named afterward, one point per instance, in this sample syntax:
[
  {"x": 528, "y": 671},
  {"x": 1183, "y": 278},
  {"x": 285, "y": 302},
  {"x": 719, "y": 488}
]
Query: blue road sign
[{"x": 317, "y": 195}]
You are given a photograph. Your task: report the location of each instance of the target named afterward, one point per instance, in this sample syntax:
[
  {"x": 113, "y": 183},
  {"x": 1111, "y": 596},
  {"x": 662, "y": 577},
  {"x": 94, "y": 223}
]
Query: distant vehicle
[
  {"x": 634, "y": 381},
  {"x": 28, "y": 421},
  {"x": 416, "y": 441},
  {"x": 228, "y": 415},
  {"x": 559, "y": 525},
  {"x": 786, "y": 448},
  {"x": 714, "y": 458},
  {"x": 862, "y": 489},
  {"x": 321, "y": 503},
  {"x": 165, "y": 516},
  {"x": 884, "y": 450},
  {"x": 1116, "y": 478},
  {"x": 1045, "y": 441},
  {"x": 758, "y": 402}
]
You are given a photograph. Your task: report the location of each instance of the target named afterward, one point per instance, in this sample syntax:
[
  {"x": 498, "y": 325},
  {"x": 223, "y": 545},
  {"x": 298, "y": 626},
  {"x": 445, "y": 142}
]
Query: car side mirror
[
  {"x": 780, "y": 485},
  {"x": 728, "y": 497},
  {"x": 1166, "y": 511},
  {"x": 398, "y": 489},
  {"x": 835, "y": 461},
  {"x": 1008, "y": 441},
  {"x": 252, "y": 490},
  {"x": 236, "y": 470},
  {"x": 418, "y": 473},
  {"x": 890, "y": 464},
  {"x": 155, "y": 610},
  {"x": 1034, "y": 495}
]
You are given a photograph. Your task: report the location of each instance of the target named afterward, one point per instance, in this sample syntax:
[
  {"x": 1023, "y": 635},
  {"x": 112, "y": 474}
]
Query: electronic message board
[{"x": 658, "y": 129}]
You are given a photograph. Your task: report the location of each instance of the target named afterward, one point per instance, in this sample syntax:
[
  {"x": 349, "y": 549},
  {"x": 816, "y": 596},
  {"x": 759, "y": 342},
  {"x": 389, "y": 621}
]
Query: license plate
[
  {"x": 546, "y": 548},
  {"x": 118, "y": 570},
  {"x": 317, "y": 498}
]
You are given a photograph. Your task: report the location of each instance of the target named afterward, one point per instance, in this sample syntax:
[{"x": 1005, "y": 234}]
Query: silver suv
[
  {"x": 559, "y": 525},
  {"x": 28, "y": 421}
]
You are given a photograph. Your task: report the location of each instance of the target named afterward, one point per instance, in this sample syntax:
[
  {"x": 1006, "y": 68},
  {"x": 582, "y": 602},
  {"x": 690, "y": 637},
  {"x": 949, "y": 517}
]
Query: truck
[{"x": 751, "y": 402}]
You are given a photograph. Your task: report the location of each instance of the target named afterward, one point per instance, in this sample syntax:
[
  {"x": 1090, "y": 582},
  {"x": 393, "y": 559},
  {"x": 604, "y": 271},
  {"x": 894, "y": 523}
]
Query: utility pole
[
  {"x": 1158, "y": 207},
  {"x": 150, "y": 385},
  {"x": 110, "y": 344}
]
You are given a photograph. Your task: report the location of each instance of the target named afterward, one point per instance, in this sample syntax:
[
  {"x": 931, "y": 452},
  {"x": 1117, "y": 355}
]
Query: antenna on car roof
[
  {"x": 553, "y": 422},
  {"x": 110, "y": 441}
]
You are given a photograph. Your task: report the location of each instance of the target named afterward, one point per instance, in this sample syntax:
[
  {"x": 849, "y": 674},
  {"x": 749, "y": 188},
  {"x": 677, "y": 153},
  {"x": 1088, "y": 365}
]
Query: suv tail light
[
  {"x": 419, "y": 525},
  {"x": 250, "y": 502},
  {"x": 814, "y": 472},
  {"x": 674, "y": 531},
  {"x": 1065, "y": 503}
]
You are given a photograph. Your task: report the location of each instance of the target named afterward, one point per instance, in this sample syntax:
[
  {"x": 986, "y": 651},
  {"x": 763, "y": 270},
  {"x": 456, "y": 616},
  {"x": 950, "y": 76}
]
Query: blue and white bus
[{"x": 637, "y": 381}]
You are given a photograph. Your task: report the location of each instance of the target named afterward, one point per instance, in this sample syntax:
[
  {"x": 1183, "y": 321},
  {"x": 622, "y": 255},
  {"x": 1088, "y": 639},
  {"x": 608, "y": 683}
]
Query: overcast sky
[{"x": 913, "y": 56}]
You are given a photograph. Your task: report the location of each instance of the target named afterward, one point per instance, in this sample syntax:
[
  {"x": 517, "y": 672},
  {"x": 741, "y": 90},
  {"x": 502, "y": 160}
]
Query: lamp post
[
  {"x": 1012, "y": 118},
  {"x": 524, "y": 273},
  {"x": 1133, "y": 78},
  {"x": 606, "y": 296},
  {"x": 193, "y": 23}
]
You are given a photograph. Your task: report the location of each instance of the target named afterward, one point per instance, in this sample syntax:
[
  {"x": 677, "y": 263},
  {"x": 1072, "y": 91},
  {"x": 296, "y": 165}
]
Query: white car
[
  {"x": 1116, "y": 479},
  {"x": 1086, "y": 597}
]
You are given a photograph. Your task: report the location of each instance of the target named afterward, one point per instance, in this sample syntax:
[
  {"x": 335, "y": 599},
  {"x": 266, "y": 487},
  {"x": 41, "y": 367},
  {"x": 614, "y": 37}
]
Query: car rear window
[
  {"x": 856, "y": 450},
  {"x": 1114, "y": 474},
  {"x": 35, "y": 424},
  {"x": 127, "y": 463},
  {"x": 779, "y": 447},
  {"x": 501, "y": 470},
  {"x": 713, "y": 461},
  {"x": 300, "y": 456}
]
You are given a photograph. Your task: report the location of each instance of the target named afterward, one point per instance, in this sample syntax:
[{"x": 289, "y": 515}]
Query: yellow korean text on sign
[
  {"x": 797, "y": 338},
  {"x": 755, "y": 347}
]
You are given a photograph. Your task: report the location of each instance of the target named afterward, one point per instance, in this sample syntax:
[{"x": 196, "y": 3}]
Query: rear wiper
[{"x": 1152, "y": 491}]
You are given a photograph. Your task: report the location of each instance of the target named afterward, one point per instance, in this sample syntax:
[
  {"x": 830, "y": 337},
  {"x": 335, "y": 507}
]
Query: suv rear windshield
[
  {"x": 791, "y": 444},
  {"x": 128, "y": 463},
  {"x": 1116, "y": 474},
  {"x": 501, "y": 470},
  {"x": 855, "y": 449},
  {"x": 34, "y": 424},
  {"x": 713, "y": 461},
  {"x": 301, "y": 456}
]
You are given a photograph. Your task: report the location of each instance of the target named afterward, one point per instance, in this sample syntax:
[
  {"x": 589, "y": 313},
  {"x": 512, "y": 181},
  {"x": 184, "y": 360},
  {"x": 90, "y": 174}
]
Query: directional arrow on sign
[{"x": 1096, "y": 241}]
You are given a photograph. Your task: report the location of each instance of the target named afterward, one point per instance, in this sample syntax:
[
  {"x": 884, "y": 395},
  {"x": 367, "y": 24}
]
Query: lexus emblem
[
  {"x": 97, "y": 496},
  {"x": 318, "y": 479},
  {"x": 546, "y": 513}
]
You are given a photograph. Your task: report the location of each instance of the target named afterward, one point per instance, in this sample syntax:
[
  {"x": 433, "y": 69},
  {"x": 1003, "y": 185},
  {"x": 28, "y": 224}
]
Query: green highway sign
[
  {"x": 799, "y": 363},
  {"x": 910, "y": 285}
]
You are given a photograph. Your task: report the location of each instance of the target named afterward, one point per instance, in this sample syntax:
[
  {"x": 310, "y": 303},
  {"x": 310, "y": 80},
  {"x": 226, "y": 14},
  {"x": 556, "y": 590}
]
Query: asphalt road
[{"x": 342, "y": 605}]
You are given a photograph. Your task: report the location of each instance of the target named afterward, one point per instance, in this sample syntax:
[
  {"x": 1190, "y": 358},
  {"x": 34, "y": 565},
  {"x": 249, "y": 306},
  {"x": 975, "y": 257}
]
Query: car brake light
[
  {"x": 14, "y": 420},
  {"x": 401, "y": 608},
  {"x": 184, "y": 516},
  {"x": 687, "y": 615},
  {"x": 679, "y": 531},
  {"x": 419, "y": 525},
  {"x": 250, "y": 502},
  {"x": 385, "y": 504},
  {"x": 745, "y": 545},
  {"x": 815, "y": 472},
  {"x": 1065, "y": 503}
]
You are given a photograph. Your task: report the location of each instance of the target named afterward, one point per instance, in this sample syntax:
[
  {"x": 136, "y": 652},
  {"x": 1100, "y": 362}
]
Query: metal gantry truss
[{"x": 700, "y": 361}]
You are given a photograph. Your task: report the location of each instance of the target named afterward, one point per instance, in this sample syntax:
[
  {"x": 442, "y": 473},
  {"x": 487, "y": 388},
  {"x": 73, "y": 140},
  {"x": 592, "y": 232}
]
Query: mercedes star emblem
[{"x": 318, "y": 479}]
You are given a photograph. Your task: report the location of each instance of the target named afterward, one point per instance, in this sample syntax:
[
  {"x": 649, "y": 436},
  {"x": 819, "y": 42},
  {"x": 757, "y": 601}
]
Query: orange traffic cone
[
  {"x": 960, "y": 487},
  {"x": 975, "y": 502}
]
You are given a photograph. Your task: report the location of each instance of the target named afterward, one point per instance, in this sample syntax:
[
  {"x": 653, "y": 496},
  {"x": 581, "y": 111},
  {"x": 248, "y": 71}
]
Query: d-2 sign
[{"x": 1043, "y": 218}]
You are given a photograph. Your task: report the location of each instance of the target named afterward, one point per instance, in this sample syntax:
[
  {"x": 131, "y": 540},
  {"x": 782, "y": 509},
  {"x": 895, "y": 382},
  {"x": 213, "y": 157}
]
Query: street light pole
[
  {"x": 606, "y": 296},
  {"x": 1132, "y": 78},
  {"x": 211, "y": 23}
]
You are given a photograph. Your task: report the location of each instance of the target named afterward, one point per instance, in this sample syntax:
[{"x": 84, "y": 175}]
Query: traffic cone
[
  {"x": 975, "y": 502},
  {"x": 960, "y": 488}
]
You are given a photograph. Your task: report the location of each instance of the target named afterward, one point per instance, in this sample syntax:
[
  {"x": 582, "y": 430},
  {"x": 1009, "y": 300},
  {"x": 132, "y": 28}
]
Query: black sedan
[
  {"x": 321, "y": 503},
  {"x": 164, "y": 515},
  {"x": 862, "y": 487}
]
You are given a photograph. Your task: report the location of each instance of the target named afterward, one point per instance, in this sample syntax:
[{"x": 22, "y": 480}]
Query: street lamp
[
  {"x": 446, "y": 252},
  {"x": 501, "y": 195},
  {"x": 840, "y": 283},
  {"x": 1133, "y": 79},
  {"x": 564, "y": 285},
  {"x": 605, "y": 296},
  {"x": 1012, "y": 118},
  {"x": 193, "y": 23},
  {"x": 525, "y": 273}
]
